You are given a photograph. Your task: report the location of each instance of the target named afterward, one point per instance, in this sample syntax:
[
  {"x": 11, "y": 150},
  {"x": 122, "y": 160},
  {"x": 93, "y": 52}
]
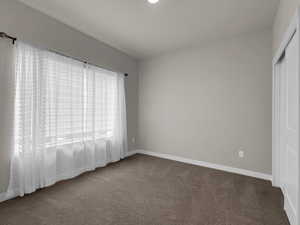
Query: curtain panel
[
  {"x": 70, "y": 117},
  {"x": 7, "y": 88}
]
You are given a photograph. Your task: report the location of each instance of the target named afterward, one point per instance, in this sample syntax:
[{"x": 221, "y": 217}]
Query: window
[
  {"x": 69, "y": 118},
  {"x": 62, "y": 100}
]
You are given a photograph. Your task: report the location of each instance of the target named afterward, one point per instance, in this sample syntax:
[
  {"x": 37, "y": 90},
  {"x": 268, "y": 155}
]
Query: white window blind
[
  {"x": 70, "y": 101},
  {"x": 63, "y": 103}
]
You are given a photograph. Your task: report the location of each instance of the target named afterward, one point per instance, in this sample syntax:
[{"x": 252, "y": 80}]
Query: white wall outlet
[
  {"x": 133, "y": 140},
  {"x": 241, "y": 153}
]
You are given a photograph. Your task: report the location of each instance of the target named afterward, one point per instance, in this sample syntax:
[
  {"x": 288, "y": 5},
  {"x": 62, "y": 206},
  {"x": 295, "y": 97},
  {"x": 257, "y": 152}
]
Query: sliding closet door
[{"x": 291, "y": 130}]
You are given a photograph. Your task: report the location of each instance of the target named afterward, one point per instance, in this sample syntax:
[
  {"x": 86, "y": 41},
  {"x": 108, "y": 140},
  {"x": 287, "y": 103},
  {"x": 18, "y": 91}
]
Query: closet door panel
[
  {"x": 292, "y": 129},
  {"x": 282, "y": 125}
]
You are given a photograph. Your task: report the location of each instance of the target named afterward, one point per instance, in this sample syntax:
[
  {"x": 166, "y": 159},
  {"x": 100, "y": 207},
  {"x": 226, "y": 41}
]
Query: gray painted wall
[
  {"x": 205, "y": 103},
  {"x": 285, "y": 13},
  {"x": 202, "y": 103},
  {"x": 36, "y": 28}
]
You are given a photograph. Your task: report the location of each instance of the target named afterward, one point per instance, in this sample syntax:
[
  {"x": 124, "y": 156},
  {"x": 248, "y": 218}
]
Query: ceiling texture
[{"x": 143, "y": 30}]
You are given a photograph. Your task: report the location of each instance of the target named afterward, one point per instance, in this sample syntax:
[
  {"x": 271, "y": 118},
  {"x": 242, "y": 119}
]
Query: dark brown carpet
[{"x": 144, "y": 190}]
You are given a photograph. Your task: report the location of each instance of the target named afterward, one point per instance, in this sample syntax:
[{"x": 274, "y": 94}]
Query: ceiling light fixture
[{"x": 153, "y": 1}]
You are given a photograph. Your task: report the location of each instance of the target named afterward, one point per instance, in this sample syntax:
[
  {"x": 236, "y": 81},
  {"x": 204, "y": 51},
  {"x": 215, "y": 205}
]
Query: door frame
[{"x": 292, "y": 29}]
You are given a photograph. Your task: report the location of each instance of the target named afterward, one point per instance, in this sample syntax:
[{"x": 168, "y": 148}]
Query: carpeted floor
[{"x": 144, "y": 190}]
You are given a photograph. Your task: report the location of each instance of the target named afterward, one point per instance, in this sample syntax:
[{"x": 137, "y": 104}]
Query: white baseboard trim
[
  {"x": 205, "y": 164},
  {"x": 3, "y": 197},
  {"x": 131, "y": 153}
]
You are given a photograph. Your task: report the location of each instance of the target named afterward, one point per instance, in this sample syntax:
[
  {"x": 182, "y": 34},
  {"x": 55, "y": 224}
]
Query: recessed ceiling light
[{"x": 153, "y": 1}]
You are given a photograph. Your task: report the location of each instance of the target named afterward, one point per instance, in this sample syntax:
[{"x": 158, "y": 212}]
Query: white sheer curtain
[{"x": 69, "y": 118}]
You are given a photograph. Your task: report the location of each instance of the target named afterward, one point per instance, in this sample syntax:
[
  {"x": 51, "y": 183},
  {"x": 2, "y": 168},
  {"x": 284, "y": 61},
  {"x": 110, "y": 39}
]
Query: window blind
[{"x": 68, "y": 100}]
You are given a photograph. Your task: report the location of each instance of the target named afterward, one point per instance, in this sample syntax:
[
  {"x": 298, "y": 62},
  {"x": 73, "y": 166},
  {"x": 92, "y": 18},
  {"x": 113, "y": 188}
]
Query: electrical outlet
[{"x": 241, "y": 154}]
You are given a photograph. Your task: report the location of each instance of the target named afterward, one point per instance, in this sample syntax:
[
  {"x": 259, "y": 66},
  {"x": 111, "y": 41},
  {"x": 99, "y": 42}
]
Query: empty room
[{"x": 149, "y": 112}]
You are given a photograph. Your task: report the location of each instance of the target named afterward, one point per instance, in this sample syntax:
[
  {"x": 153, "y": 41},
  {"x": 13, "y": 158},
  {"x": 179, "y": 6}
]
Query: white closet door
[{"x": 291, "y": 130}]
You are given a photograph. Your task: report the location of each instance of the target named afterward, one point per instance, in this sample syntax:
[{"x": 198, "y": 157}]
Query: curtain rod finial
[
  {"x": 126, "y": 74},
  {"x": 4, "y": 35}
]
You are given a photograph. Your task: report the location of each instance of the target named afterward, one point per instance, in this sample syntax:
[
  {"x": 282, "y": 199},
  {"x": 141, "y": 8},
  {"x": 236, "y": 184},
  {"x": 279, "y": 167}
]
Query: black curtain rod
[
  {"x": 80, "y": 60},
  {"x": 4, "y": 35}
]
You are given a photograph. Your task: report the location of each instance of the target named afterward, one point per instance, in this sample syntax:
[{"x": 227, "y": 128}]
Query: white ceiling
[{"x": 143, "y": 30}]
